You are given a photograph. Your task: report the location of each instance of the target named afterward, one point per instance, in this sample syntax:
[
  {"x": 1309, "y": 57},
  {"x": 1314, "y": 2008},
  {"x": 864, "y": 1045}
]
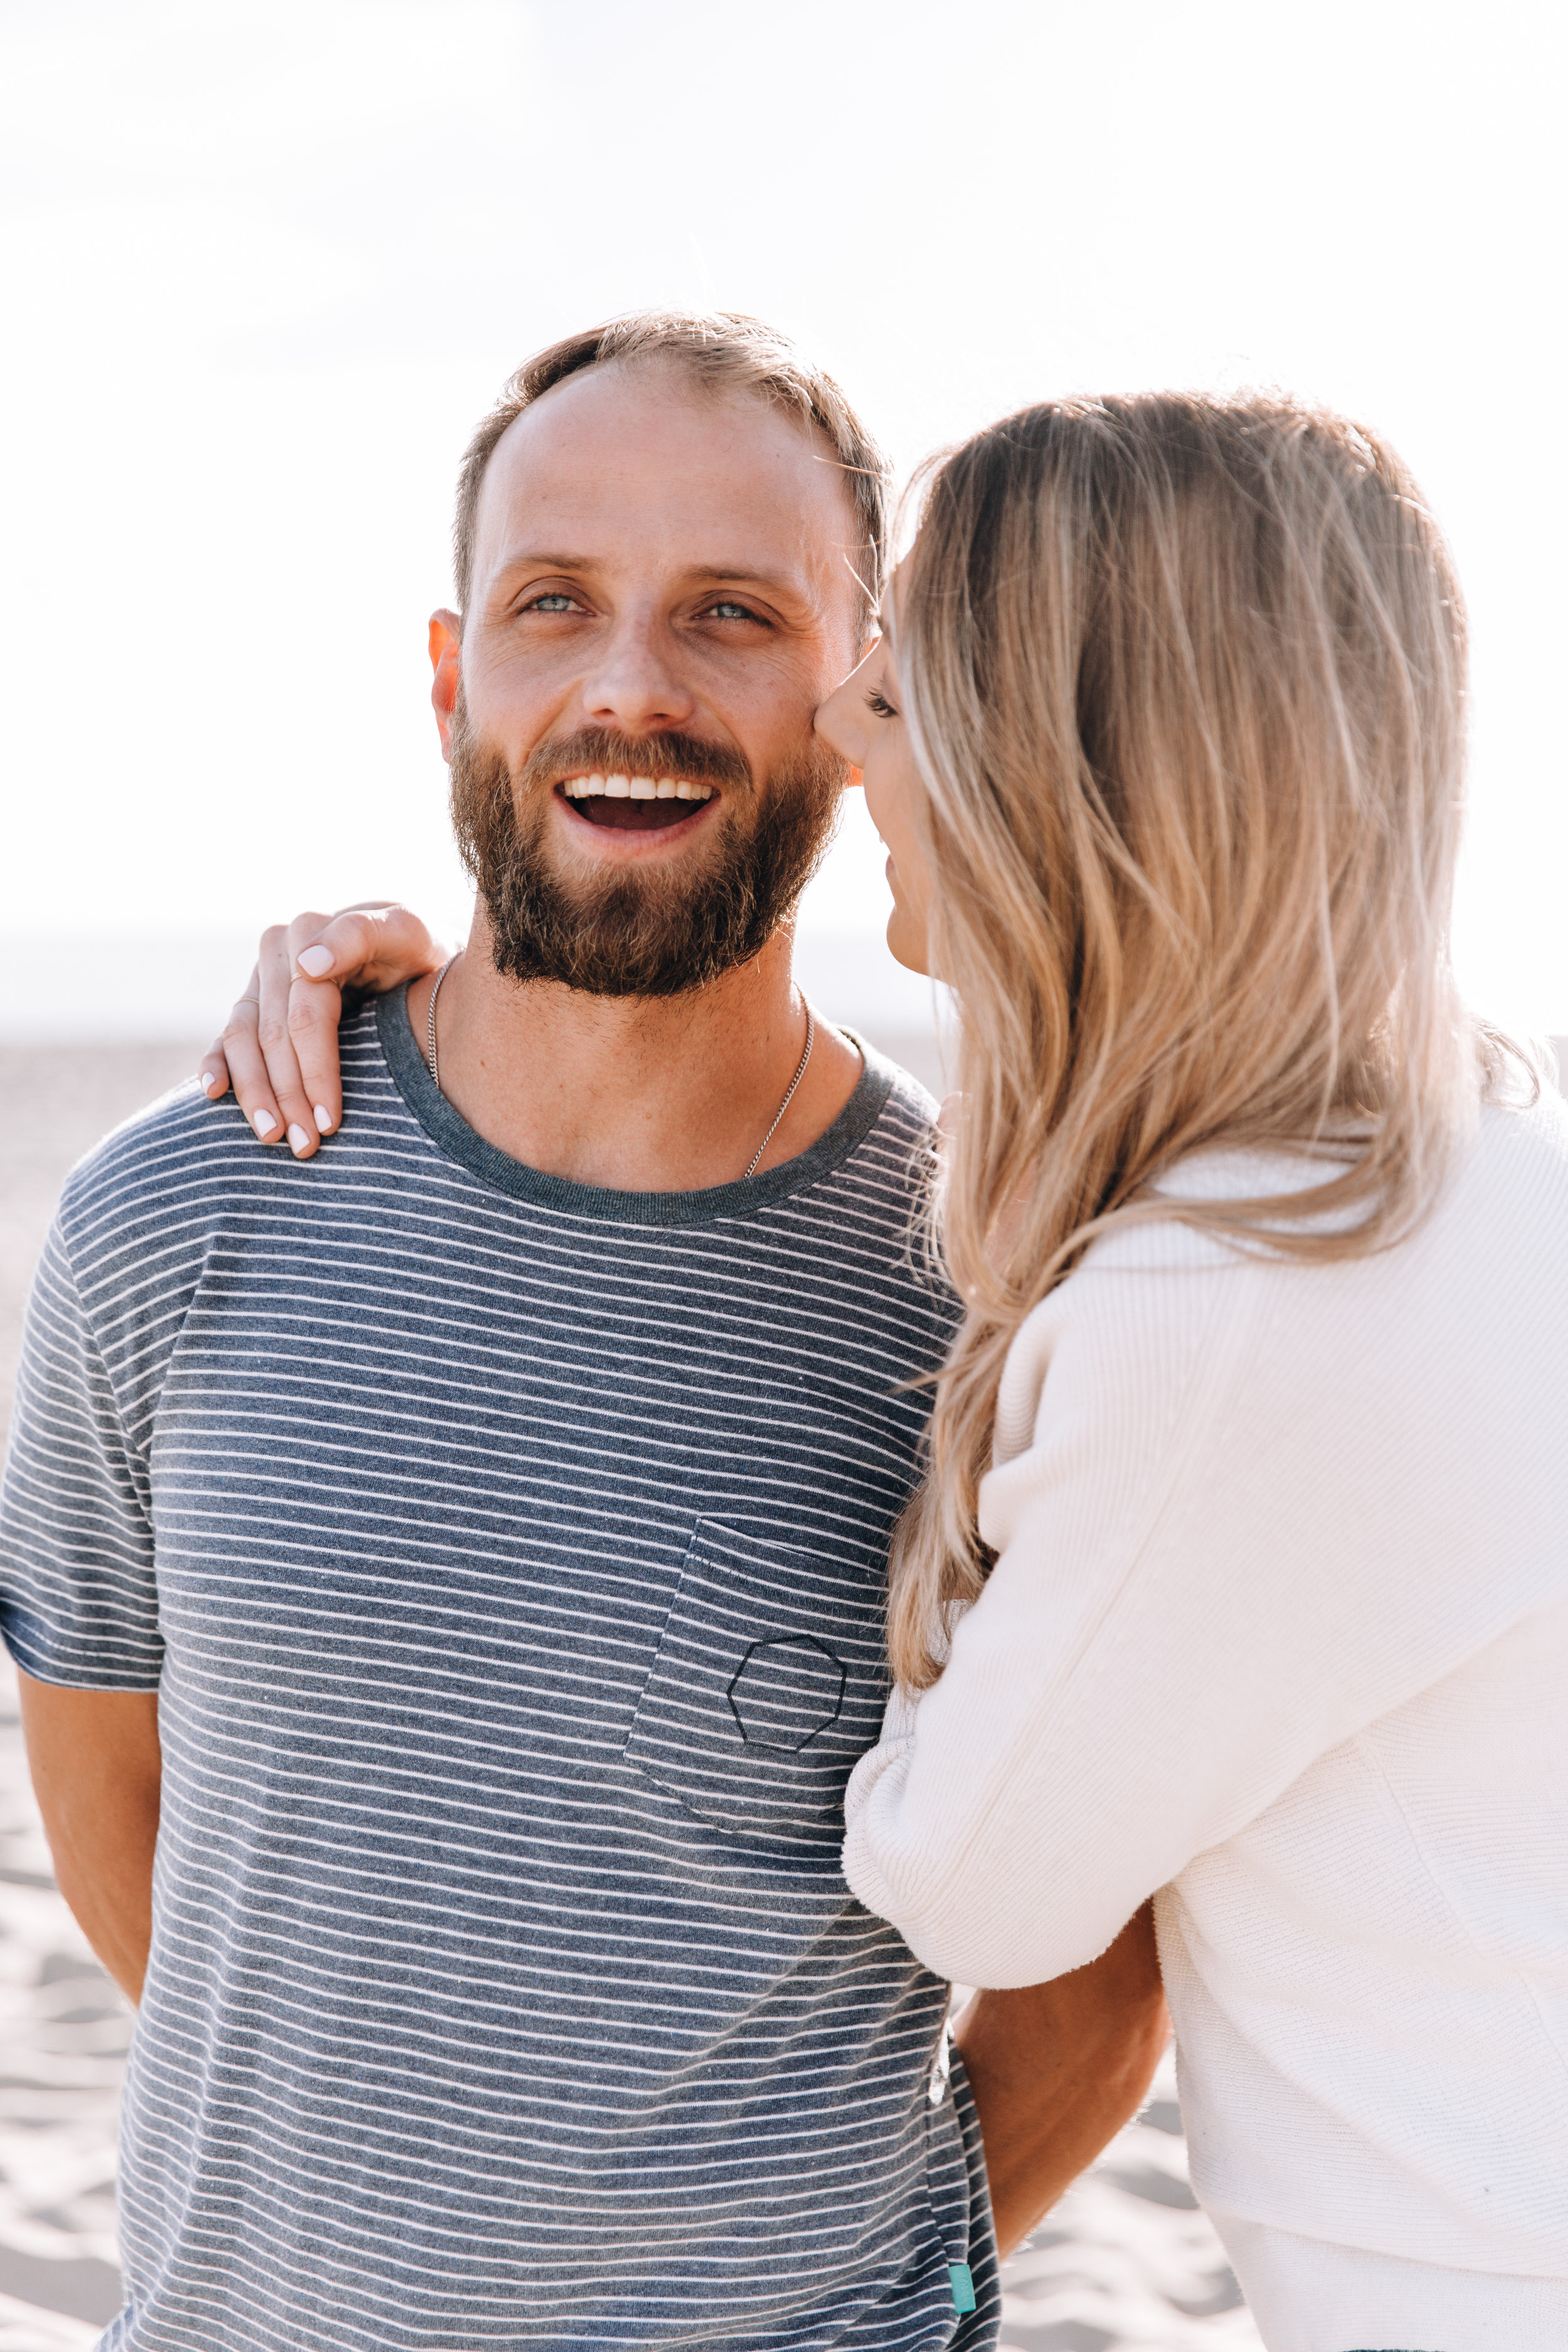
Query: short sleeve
[{"x": 79, "y": 1595}]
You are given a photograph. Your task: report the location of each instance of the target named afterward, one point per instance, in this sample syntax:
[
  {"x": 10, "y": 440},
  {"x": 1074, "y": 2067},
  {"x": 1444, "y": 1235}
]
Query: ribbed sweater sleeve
[{"x": 1231, "y": 1531}]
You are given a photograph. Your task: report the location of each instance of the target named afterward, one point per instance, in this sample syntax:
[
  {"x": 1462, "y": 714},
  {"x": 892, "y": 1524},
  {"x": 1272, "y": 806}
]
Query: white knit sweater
[{"x": 1278, "y": 1628}]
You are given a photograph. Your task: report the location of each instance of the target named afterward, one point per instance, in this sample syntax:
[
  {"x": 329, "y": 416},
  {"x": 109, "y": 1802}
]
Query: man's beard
[{"x": 631, "y": 933}]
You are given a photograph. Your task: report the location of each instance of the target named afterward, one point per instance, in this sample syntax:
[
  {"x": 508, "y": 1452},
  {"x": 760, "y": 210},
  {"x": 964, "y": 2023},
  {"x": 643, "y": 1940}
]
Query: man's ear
[{"x": 445, "y": 660}]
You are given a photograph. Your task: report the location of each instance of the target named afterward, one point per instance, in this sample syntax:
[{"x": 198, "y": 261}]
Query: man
[{"x": 473, "y": 1541}]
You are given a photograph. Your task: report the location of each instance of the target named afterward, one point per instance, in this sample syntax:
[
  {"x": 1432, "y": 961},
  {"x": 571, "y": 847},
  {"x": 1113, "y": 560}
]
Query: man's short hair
[{"x": 722, "y": 350}]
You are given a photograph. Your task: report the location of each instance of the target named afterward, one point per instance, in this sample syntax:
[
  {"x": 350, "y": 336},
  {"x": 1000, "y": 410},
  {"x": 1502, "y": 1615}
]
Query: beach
[{"x": 1125, "y": 2264}]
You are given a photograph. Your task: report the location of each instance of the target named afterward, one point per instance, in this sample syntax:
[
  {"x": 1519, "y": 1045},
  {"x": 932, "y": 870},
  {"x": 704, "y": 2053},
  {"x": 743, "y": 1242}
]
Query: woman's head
[{"x": 1183, "y": 680}]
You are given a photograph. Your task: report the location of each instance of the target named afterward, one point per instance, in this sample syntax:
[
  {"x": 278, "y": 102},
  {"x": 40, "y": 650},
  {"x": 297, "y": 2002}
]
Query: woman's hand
[{"x": 280, "y": 1046}]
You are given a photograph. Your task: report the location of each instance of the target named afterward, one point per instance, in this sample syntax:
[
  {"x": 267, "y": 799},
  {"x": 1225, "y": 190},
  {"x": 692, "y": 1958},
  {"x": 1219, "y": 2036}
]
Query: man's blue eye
[
  {"x": 554, "y": 603},
  {"x": 728, "y": 612}
]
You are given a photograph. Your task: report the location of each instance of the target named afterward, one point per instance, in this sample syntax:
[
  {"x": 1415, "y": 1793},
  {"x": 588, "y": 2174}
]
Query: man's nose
[{"x": 635, "y": 683}]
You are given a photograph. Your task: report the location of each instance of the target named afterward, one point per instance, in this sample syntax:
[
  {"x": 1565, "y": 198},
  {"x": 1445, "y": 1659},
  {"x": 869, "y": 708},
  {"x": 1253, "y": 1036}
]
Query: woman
[
  {"x": 1258, "y": 1409},
  {"x": 1239, "y": 1579}
]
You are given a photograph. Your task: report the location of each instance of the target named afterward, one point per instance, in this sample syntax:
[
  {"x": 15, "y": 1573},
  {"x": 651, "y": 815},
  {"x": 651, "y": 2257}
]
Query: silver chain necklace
[
  {"x": 430, "y": 1023},
  {"x": 435, "y": 1066},
  {"x": 789, "y": 1096}
]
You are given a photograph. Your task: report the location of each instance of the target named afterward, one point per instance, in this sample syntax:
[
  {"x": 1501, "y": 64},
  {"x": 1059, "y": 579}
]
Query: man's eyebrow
[
  {"x": 739, "y": 574},
  {"x": 552, "y": 559},
  {"x": 547, "y": 559}
]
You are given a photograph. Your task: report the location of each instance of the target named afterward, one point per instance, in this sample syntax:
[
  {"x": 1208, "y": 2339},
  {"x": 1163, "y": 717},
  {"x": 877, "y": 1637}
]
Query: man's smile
[{"x": 635, "y": 803}]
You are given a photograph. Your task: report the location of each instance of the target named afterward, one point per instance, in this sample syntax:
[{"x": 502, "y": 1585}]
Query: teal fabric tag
[{"x": 962, "y": 2286}]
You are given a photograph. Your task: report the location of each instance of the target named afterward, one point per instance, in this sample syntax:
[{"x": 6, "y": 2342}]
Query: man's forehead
[{"x": 721, "y": 480}]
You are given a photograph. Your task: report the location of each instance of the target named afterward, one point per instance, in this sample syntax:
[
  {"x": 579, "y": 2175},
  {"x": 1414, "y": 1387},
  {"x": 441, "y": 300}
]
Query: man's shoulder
[
  {"x": 162, "y": 1179},
  {"x": 911, "y": 1103},
  {"x": 142, "y": 1165},
  {"x": 865, "y": 1222},
  {"x": 903, "y": 1111},
  {"x": 874, "y": 1165}
]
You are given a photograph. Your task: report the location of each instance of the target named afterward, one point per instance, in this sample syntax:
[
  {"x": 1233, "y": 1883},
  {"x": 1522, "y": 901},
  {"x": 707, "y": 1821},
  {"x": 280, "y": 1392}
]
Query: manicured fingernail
[
  {"x": 323, "y": 1120},
  {"x": 314, "y": 961},
  {"x": 208, "y": 1081},
  {"x": 263, "y": 1121},
  {"x": 298, "y": 1140}
]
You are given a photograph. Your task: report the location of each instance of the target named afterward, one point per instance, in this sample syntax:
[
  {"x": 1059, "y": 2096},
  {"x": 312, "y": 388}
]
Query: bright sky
[{"x": 266, "y": 265}]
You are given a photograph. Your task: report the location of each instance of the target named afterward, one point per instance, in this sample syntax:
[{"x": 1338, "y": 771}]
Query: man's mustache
[{"x": 601, "y": 751}]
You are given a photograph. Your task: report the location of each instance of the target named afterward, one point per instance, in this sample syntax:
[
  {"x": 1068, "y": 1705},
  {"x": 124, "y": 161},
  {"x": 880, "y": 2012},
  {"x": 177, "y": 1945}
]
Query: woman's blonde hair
[{"x": 1185, "y": 679}]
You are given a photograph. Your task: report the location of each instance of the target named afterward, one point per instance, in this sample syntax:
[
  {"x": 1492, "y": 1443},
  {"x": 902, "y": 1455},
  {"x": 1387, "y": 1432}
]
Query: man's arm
[
  {"x": 1056, "y": 2069},
  {"x": 96, "y": 1766}
]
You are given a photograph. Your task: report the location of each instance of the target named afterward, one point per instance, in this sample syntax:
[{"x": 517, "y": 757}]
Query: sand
[{"x": 1126, "y": 2260}]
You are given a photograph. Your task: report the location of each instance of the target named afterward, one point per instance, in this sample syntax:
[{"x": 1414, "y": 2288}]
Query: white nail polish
[
  {"x": 298, "y": 1139},
  {"x": 314, "y": 961},
  {"x": 323, "y": 1120},
  {"x": 208, "y": 1081},
  {"x": 263, "y": 1121}
]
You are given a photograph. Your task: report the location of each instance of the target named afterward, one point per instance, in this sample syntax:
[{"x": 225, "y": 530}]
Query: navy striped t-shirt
[{"x": 509, "y": 1558}]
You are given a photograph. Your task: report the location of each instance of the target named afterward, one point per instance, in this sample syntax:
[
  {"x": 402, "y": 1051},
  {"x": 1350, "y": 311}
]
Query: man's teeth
[{"x": 636, "y": 788}]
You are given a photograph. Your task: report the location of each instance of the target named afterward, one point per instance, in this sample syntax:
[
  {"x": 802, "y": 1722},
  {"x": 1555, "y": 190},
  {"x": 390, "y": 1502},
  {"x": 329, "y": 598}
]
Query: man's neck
[{"x": 634, "y": 1094}]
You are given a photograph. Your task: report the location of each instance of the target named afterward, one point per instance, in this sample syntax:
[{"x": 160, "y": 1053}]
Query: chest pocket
[{"x": 768, "y": 1685}]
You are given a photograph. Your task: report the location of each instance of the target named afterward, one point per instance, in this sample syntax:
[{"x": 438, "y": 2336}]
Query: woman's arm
[
  {"x": 280, "y": 1046},
  {"x": 1242, "y": 1524}
]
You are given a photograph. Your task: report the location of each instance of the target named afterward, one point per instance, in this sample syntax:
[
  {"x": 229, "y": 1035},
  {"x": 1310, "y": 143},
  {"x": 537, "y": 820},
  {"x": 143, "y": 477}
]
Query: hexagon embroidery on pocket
[
  {"x": 768, "y": 1683},
  {"x": 787, "y": 1688}
]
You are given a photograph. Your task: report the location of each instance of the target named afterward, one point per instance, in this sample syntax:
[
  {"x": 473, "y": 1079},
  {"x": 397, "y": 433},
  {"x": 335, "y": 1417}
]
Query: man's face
[{"x": 662, "y": 593}]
